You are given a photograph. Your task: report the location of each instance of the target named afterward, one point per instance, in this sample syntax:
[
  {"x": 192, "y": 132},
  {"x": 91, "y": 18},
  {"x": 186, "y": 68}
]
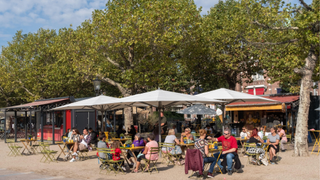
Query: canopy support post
[
  {"x": 53, "y": 129},
  {"x": 15, "y": 126}
]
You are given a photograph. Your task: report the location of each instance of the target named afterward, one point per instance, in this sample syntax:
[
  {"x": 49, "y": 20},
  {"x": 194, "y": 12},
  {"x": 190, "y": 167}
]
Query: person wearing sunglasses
[{"x": 229, "y": 150}]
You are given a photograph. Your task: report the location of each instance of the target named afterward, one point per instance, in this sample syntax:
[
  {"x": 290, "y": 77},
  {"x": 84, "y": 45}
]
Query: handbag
[{"x": 176, "y": 150}]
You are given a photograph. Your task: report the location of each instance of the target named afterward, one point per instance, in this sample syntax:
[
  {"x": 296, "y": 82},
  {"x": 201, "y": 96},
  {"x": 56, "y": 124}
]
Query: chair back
[
  {"x": 104, "y": 151},
  {"x": 153, "y": 150},
  {"x": 167, "y": 146}
]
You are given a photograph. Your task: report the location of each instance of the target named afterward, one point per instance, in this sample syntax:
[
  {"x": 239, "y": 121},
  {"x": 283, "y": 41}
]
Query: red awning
[
  {"x": 280, "y": 99},
  {"x": 38, "y": 103}
]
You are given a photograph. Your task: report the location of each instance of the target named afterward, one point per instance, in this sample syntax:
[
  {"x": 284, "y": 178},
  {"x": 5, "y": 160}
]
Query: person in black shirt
[
  {"x": 94, "y": 136},
  {"x": 256, "y": 139},
  {"x": 132, "y": 132}
]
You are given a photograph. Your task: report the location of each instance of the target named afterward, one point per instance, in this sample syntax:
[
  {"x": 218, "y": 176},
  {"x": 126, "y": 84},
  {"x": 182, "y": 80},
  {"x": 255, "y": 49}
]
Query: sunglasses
[{"x": 225, "y": 134}]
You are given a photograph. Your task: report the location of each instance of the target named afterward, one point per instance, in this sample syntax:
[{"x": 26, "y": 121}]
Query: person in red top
[
  {"x": 229, "y": 147},
  {"x": 117, "y": 153}
]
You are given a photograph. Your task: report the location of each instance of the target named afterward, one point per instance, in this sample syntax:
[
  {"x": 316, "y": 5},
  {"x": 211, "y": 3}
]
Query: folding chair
[
  {"x": 103, "y": 162},
  {"x": 152, "y": 163},
  {"x": 252, "y": 155},
  {"x": 48, "y": 155},
  {"x": 14, "y": 148},
  {"x": 83, "y": 154},
  {"x": 110, "y": 164},
  {"x": 170, "y": 157}
]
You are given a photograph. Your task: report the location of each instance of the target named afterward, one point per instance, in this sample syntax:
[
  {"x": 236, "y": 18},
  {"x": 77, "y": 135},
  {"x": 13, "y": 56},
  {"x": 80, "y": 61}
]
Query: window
[{"x": 258, "y": 76}]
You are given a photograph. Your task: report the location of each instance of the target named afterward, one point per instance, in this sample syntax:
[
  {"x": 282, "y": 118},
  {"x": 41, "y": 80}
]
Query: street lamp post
[{"x": 97, "y": 85}]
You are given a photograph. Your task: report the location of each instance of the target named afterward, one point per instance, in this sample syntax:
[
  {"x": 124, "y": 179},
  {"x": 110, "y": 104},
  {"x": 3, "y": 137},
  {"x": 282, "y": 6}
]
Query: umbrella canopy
[
  {"x": 318, "y": 109},
  {"x": 90, "y": 103},
  {"x": 232, "y": 96},
  {"x": 158, "y": 98},
  {"x": 198, "y": 109}
]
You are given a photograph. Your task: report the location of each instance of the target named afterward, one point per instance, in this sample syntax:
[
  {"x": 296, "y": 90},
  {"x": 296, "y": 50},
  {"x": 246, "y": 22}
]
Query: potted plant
[
  {"x": 233, "y": 135},
  {"x": 265, "y": 138},
  {"x": 29, "y": 136},
  {"x": 121, "y": 136}
]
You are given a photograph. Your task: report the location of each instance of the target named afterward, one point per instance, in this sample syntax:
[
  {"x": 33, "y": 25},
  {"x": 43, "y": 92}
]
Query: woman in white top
[
  {"x": 171, "y": 138},
  {"x": 267, "y": 132},
  {"x": 244, "y": 133}
]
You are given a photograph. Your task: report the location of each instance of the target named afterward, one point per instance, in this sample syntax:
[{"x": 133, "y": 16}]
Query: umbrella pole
[
  {"x": 114, "y": 121},
  {"x": 159, "y": 108},
  {"x": 88, "y": 119}
]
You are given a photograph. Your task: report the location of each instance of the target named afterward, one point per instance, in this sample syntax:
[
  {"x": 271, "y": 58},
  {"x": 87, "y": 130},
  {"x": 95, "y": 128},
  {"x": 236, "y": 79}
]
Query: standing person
[
  {"x": 99, "y": 125},
  {"x": 132, "y": 131},
  {"x": 283, "y": 138},
  {"x": 120, "y": 130},
  {"x": 69, "y": 133},
  {"x": 273, "y": 141},
  {"x": 229, "y": 149},
  {"x": 202, "y": 145},
  {"x": 109, "y": 126}
]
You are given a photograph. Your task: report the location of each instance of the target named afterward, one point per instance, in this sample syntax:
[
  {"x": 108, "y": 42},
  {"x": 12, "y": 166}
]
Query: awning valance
[{"x": 256, "y": 108}]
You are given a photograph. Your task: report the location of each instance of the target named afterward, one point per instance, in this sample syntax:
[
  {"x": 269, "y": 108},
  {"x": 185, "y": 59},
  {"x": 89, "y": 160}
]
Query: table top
[
  {"x": 119, "y": 139},
  {"x": 314, "y": 130},
  {"x": 133, "y": 148},
  {"x": 28, "y": 140},
  {"x": 61, "y": 142},
  {"x": 239, "y": 139},
  {"x": 189, "y": 144}
]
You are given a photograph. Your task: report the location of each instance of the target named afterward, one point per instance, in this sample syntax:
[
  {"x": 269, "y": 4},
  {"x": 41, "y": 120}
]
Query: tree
[
  {"x": 225, "y": 58},
  {"x": 288, "y": 37},
  {"x": 30, "y": 69},
  {"x": 135, "y": 46}
]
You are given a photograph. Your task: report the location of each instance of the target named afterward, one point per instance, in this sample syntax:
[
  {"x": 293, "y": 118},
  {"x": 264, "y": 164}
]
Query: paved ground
[{"x": 12, "y": 175}]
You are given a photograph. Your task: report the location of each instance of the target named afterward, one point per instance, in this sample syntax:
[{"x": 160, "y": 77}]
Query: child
[{"x": 117, "y": 153}]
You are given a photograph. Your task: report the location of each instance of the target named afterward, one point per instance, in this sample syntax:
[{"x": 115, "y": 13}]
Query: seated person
[
  {"x": 147, "y": 152},
  {"x": 132, "y": 131},
  {"x": 273, "y": 141},
  {"x": 82, "y": 145},
  {"x": 209, "y": 129},
  {"x": 187, "y": 134},
  {"x": 75, "y": 137},
  {"x": 202, "y": 145},
  {"x": 229, "y": 149},
  {"x": 66, "y": 134},
  {"x": 137, "y": 142},
  {"x": 171, "y": 138},
  {"x": 102, "y": 144},
  {"x": 256, "y": 139},
  {"x": 93, "y": 135},
  {"x": 283, "y": 138},
  {"x": 244, "y": 133},
  {"x": 267, "y": 132},
  {"x": 116, "y": 155}
]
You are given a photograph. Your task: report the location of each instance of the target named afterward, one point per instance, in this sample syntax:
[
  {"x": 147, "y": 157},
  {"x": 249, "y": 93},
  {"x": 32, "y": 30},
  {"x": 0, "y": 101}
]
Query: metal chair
[
  {"x": 152, "y": 163},
  {"x": 109, "y": 164},
  {"x": 48, "y": 155},
  {"x": 14, "y": 148},
  {"x": 251, "y": 155}
]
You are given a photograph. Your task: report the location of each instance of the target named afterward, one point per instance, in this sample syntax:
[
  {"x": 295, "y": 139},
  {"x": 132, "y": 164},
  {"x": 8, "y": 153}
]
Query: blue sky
[{"x": 30, "y": 15}]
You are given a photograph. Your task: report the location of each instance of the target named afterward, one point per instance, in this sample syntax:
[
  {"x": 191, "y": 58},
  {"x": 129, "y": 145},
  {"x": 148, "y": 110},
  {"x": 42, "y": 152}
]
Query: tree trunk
[
  {"x": 301, "y": 143},
  {"x": 128, "y": 118}
]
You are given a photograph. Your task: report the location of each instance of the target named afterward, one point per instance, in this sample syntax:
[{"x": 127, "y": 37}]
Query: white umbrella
[
  {"x": 198, "y": 109},
  {"x": 159, "y": 98},
  {"x": 231, "y": 96},
  {"x": 90, "y": 104}
]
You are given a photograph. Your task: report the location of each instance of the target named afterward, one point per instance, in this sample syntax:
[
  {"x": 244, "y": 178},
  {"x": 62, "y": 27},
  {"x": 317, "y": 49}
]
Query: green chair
[
  {"x": 168, "y": 148},
  {"x": 83, "y": 154},
  {"x": 152, "y": 163},
  {"x": 14, "y": 148},
  {"x": 251, "y": 155},
  {"x": 48, "y": 155},
  {"x": 109, "y": 164}
]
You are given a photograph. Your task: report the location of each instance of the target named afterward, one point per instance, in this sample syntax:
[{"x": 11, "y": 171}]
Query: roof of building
[{"x": 279, "y": 100}]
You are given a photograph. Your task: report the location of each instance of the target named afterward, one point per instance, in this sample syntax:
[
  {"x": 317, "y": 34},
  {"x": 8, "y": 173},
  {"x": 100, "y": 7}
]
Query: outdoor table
[
  {"x": 120, "y": 140},
  {"x": 64, "y": 147},
  {"x": 317, "y": 143},
  {"x": 242, "y": 140},
  {"x": 26, "y": 143},
  {"x": 132, "y": 149}
]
